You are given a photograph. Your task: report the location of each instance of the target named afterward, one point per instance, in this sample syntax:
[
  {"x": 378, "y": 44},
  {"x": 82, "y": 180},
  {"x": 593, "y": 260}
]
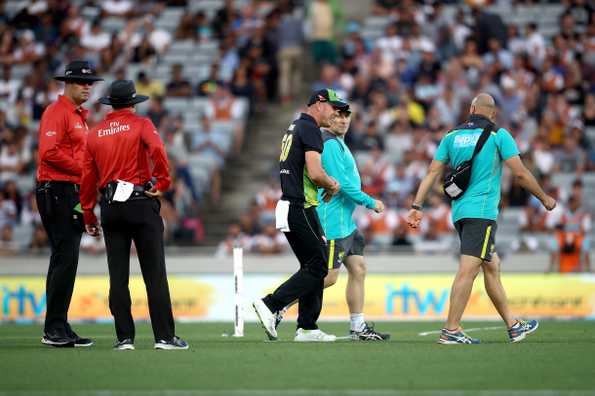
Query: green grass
[{"x": 559, "y": 356}]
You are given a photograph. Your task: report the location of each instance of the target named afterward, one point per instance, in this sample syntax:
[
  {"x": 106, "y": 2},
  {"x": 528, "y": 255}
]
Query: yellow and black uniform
[
  {"x": 305, "y": 234},
  {"x": 301, "y": 136}
]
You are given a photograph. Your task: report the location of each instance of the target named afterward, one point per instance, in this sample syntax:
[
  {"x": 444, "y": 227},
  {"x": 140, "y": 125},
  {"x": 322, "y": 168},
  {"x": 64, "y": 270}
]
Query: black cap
[
  {"x": 327, "y": 95},
  {"x": 79, "y": 71},
  {"x": 122, "y": 93}
]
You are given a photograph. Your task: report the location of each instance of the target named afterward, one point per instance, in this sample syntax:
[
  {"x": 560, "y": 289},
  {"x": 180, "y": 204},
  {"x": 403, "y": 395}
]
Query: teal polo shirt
[{"x": 482, "y": 197}]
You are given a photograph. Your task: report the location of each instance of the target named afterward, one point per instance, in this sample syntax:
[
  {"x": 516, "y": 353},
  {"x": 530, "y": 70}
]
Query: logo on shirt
[
  {"x": 284, "y": 172},
  {"x": 78, "y": 125},
  {"x": 50, "y": 133},
  {"x": 466, "y": 140},
  {"x": 114, "y": 127}
]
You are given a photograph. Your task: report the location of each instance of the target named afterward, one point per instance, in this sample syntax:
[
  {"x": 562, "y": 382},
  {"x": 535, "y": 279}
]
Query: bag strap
[{"x": 483, "y": 138}]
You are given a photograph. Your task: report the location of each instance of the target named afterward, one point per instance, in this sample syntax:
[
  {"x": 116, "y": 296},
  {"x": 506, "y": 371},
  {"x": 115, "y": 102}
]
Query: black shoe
[
  {"x": 57, "y": 339},
  {"x": 174, "y": 343},
  {"x": 82, "y": 342},
  {"x": 124, "y": 345},
  {"x": 78, "y": 341},
  {"x": 368, "y": 334}
]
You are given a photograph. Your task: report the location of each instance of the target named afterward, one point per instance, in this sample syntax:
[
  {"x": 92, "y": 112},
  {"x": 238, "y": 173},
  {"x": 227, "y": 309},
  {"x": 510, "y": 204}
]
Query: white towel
[
  {"x": 281, "y": 213},
  {"x": 123, "y": 191}
]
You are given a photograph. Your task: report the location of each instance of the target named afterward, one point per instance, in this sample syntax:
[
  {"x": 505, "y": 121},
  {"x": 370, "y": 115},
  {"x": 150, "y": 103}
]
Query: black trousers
[
  {"x": 138, "y": 221},
  {"x": 56, "y": 204},
  {"x": 307, "y": 241}
]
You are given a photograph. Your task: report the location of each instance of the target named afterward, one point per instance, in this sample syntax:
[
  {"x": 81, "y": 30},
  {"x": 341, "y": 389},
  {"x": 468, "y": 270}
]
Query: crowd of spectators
[
  {"x": 414, "y": 83},
  {"x": 44, "y": 35}
]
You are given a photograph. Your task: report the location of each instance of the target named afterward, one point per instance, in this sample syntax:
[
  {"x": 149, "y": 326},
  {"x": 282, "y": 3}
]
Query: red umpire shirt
[
  {"x": 62, "y": 135},
  {"x": 122, "y": 146}
]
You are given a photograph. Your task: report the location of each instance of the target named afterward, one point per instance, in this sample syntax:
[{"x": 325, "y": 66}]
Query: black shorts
[
  {"x": 351, "y": 245},
  {"x": 478, "y": 237},
  {"x": 306, "y": 239}
]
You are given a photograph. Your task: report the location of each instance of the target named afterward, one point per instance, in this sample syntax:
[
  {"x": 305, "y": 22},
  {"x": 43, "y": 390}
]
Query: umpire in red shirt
[
  {"x": 117, "y": 161},
  {"x": 62, "y": 137}
]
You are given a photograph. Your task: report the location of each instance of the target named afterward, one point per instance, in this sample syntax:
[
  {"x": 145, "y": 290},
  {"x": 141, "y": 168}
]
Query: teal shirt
[
  {"x": 482, "y": 197},
  {"x": 336, "y": 216}
]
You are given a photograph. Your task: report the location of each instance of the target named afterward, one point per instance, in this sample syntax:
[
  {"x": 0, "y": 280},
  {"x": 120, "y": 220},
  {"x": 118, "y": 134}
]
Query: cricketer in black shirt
[{"x": 301, "y": 174}]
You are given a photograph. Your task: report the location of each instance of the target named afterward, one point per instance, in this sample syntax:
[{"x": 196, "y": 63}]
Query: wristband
[{"x": 416, "y": 207}]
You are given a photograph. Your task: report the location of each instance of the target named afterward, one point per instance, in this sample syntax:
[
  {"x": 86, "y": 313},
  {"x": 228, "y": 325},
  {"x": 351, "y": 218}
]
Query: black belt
[
  {"x": 58, "y": 185},
  {"x": 138, "y": 192},
  {"x": 136, "y": 188}
]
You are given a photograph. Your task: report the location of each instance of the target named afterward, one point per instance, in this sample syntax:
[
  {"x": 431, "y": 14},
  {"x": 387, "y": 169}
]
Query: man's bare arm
[
  {"x": 528, "y": 181},
  {"x": 434, "y": 172}
]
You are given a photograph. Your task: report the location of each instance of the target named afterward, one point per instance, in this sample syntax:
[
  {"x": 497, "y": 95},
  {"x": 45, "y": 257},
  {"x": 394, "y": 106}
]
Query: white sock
[{"x": 357, "y": 321}]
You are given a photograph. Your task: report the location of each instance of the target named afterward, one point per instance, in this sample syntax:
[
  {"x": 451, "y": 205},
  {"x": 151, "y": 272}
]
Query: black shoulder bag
[{"x": 457, "y": 181}]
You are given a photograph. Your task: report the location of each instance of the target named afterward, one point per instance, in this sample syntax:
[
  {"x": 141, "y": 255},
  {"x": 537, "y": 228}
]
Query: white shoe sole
[
  {"x": 45, "y": 341},
  {"x": 444, "y": 342},
  {"x": 519, "y": 338},
  {"x": 83, "y": 345},
  {"x": 170, "y": 347},
  {"x": 307, "y": 337},
  {"x": 271, "y": 333},
  {"x": 314, "y": 340},
  {"x": 127, "y": 347}
]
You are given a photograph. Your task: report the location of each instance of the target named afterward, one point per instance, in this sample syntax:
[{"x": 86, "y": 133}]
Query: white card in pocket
[
  {"x": 123, "y": 191},
  {"x": 281, "y": 213}
]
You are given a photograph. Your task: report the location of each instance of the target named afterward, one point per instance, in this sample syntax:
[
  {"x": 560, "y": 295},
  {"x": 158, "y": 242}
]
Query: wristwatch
[{"x": 416, "y": 207}]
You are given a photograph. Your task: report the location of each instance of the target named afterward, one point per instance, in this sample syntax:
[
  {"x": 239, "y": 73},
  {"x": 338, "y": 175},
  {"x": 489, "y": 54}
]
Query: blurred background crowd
[
  {"x": 410, "y": 73},
  {"x": 207, "y": 66},
  {"x": 409, "y": 70}
]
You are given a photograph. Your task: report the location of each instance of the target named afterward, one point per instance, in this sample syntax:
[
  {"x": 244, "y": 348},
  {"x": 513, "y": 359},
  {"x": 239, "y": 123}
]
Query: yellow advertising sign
[
  {"x": 24, "y": 298},
  {"x": 388, "y": 297},
  {"x": 427, "y": 297}
]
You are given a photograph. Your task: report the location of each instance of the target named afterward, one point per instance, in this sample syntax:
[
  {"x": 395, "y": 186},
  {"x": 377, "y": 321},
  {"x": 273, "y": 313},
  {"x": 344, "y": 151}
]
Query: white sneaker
[
  {"x": 317, "y": 335},
  {"x": 266, "y": 317}
]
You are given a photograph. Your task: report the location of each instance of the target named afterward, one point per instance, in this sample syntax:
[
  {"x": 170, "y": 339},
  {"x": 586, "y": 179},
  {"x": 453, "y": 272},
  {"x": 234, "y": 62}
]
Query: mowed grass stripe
[
  {"x": 306, "y": 392},
  {"x": 560, "y": 355}
]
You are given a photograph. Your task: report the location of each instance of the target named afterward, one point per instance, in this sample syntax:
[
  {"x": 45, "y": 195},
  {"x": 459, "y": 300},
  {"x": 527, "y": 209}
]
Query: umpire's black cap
[{"x": 79, "y": 70}]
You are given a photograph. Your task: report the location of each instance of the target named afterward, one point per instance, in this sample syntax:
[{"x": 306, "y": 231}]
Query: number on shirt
[{"x": 285, "y": 146}]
